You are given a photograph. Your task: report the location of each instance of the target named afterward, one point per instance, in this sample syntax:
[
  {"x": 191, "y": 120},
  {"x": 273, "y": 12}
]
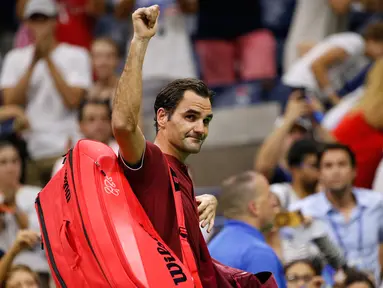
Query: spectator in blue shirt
[
  {"x": 352, "y": 216},
  {"x": 248, "y": 205}
]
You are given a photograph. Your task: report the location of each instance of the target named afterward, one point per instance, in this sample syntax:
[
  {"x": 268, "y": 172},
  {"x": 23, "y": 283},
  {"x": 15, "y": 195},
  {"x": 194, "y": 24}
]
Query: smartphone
[{"x": 288, "y": 219}]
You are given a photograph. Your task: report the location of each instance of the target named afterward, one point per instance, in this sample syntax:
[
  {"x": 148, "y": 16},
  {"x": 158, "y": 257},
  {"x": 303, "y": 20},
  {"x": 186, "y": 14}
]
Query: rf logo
[{"x": 110, "y": 186}]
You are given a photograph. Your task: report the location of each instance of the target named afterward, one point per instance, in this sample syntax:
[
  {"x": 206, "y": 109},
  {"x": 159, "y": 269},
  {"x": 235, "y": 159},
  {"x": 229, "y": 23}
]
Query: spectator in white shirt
[
  {"x": 49, "y": 79},
  {"x": 336, "y": 59}
]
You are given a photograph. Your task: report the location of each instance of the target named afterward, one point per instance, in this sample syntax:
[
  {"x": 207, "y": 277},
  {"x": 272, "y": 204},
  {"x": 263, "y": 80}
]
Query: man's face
[
  {"x": 96, "y": 123},
  {"x": 374, "y": 49},
  {"x": 336, "y": 171},
  {"x": 10, "y": 166},
  {"x": 41, "y": 26},
  {"x": 188, "y": 126},
  {"x": 265, "y": 201},
  {"x": 308, "y": 173},
  {"x": 105, "y": 59}
]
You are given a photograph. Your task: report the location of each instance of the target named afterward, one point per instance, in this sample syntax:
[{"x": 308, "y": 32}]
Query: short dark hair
[
  {"x": 315, "y": 264},
  {"x": 338, "y": 146},
  {"x": 86, "y": 102},
  {"x": 354, "y": 276},
  {"x": 172, "y": 94},
  {"x": 6, "y": 143},
  {"x": 374, "y": 31},
  {"x": 299, "y": 150}
]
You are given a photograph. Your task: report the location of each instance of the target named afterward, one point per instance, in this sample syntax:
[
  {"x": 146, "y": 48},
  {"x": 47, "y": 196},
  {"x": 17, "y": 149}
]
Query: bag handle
[{"x": 187, "y": 253}]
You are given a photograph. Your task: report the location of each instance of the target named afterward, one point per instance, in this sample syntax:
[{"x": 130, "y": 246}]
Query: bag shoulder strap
[{"x": 187, "y": 253}]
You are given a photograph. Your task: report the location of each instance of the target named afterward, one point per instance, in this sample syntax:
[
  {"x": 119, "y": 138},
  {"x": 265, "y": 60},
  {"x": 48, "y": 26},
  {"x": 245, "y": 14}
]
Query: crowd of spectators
[{"x": 320, "y": 170}]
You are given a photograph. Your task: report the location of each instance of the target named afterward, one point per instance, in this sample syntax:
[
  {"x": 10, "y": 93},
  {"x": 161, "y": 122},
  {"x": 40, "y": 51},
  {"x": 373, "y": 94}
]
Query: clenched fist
[{"x": 145, "y": 22}]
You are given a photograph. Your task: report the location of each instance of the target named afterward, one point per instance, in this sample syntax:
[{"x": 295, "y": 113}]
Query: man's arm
[
  {"x": 320, "y": 69},
  {"x": 71, "y": 96},
  {"x": 128, "y": 97}
]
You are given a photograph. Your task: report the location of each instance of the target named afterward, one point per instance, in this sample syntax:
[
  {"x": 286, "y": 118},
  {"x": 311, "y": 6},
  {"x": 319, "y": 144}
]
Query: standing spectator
[
  {"x": 336, "y": 59},
  {"x": 312, "y": 22},
  {"x": 75, "y": 22},
  {"x": 234, "y": 38},
  {"x": 352, "y": 216},
  {"x": 105, "y": 58},
  {"x": 49, "y": 79},
  {"x": 18, "y": 211},
  {"x": 248, "y": 204},
  {"x": 169, "y": 55}
]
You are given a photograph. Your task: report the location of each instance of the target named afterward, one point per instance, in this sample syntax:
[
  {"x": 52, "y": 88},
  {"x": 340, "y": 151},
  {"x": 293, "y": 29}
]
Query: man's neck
[
  {"x": 109, "y": 82},
  {"x": 299, "y": 190},
  {"x": 169, "y": 149},
  {"x": 344, "y": 202}
]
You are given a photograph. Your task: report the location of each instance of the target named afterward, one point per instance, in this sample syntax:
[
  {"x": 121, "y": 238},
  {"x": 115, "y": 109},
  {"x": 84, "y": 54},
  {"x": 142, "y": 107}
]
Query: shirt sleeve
[
  {"x": 151, "y": 170},
  {"x": 352, "y": 43},
  {"x": 264, "y": 260},
  {"x": 10, "y": 75},
  {"x": 280, "y": 191},
  {"x": 80, "y": 74}
]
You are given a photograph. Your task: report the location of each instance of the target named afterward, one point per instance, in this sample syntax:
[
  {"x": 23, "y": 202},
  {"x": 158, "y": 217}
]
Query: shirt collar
[
  {"x": 245, "y": 227},
  {"x": 325, "y": 205}
]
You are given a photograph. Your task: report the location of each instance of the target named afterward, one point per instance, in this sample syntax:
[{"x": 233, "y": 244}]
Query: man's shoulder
[
  {"x": 17, "y": 54},
  {"x": 308, "y": 203}
]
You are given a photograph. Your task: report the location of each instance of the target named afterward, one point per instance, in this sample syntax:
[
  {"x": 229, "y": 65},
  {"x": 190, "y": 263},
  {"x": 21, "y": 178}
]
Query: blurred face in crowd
[
  {"x": 265, "y": 202},
  {"x": 336, "y": 171},
  {"x": 374, "y": 49},
  {"x": 41, "y": 26},
  {"x": 21, "y": 279},
  {"x": 187, "y": 128},
  {"x": 105, "y": 59},
  {"x": 359, "y": 285},
  {"x": 307, "y": 173},
  {"x": 299, "y": 275},
  {"x": 96, "y": 122},
  {"x": 10, "y": 166}
]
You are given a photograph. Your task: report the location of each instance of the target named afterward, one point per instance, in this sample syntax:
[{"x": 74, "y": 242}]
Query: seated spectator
[
  {"x": 357, "y": 279},
  {"x": 248, "y": 205},
  {"x": 352, "y": 216},
  {"x": 303, "y": 273},
  {"x": 104, "y": 53},
  {"x": 16, "y": 276},
  {"x": 95, "y": 124},
  {"x": 302, "y": 160},
  {"x": 337, "y": 58},
  {"x": 361, "y": 128},
  {"x": 233, "y": 42},
  {"x": 49, "y": 79},
  {"x": 18, "y": 211}
]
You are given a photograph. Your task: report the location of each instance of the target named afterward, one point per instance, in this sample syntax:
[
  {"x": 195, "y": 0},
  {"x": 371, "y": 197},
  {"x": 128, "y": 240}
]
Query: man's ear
[
  {"x": 253, "y": 208},
  {"x": 162, "y": 117}
]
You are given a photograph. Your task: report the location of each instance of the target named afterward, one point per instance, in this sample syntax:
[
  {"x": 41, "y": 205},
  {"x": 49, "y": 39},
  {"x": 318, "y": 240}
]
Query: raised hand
[{"x": 145, "y": 22}]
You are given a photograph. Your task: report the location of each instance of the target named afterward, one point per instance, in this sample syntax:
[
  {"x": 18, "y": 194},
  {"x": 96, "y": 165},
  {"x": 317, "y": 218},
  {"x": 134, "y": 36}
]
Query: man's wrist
[{"x": 140, "y": 40}]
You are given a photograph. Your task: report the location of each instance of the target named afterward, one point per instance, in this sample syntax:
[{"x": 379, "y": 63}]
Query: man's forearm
[
  {"x": 18, "y": 94},
  {"x": 70, "y": 95},
  {"x": 128, "y": 97},
  {"x": 6, "y": 262},
  {"x": 21, "y": 219}
]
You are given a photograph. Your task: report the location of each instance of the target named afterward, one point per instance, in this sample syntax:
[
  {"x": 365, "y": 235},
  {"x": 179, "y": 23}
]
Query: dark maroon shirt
[{"x": 151, "y": 184}]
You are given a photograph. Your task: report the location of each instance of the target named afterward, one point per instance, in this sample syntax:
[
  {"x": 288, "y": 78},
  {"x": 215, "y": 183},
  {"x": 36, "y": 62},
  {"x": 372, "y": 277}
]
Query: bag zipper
[
  {"x": 47, "y": 243},
  {"x": 70, "y": 159}
]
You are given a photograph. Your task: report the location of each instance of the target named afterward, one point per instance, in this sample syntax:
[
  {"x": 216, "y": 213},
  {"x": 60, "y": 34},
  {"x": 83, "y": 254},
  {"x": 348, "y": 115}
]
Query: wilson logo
[{"x": 110, "y": 186}]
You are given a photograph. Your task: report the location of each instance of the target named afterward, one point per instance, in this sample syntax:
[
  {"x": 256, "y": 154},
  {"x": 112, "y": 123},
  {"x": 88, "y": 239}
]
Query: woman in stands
[{"x": 362, "y": 128}]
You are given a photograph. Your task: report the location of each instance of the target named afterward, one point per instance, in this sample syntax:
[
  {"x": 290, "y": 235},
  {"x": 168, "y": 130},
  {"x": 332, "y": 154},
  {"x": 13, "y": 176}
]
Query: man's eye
[{"x": 190, "y": 117}]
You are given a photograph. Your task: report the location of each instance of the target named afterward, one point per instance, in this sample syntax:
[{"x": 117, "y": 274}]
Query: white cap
[{"x": 44, "y": 7}]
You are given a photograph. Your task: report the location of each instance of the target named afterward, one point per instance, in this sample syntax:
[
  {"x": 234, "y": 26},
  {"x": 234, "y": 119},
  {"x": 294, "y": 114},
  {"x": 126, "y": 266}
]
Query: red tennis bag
[{"x": 96, "y": 233}]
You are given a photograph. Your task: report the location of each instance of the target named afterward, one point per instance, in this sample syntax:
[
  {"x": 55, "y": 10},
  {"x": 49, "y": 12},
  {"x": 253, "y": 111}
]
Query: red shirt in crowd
[
  {"x": 151, "y": 184},
  {"x": 74, "y": 25}
]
